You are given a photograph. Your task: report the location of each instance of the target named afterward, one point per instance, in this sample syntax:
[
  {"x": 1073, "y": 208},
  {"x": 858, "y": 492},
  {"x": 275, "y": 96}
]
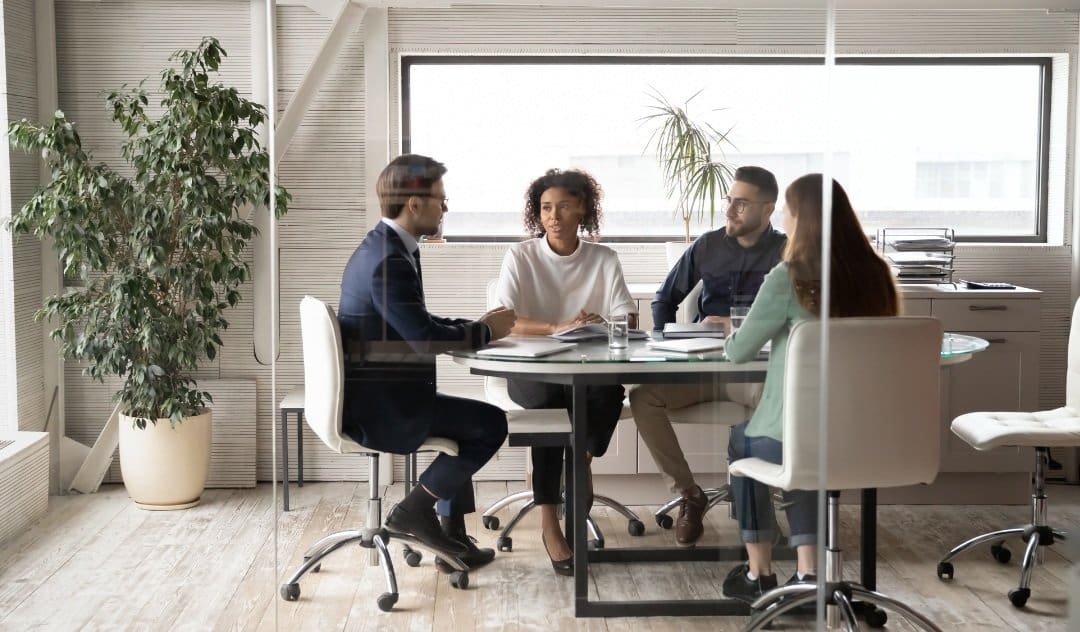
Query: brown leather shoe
[{"x": 688, "y": 527}]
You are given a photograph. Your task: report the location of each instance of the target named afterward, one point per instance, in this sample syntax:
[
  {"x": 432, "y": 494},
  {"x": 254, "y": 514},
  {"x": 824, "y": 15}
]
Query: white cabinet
[{"x": 1002, "y": 378}]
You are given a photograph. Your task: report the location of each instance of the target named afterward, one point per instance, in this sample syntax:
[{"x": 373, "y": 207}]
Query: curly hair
[{"x": 579, "y": 184}]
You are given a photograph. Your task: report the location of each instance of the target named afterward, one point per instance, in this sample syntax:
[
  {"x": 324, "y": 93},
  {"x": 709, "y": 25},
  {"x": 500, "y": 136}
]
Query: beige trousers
[{"x": 650, "y": 404}]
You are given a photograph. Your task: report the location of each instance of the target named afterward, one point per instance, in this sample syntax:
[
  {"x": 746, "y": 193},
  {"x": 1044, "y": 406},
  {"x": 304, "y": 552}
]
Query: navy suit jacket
[{"x": 390, "y": 342}]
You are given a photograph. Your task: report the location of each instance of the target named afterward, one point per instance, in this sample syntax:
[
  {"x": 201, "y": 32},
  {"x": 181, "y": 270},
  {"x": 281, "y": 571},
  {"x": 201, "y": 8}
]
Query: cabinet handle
[
  {"x": 987, "y": 308},
  {"x": 997, "y": 341}
]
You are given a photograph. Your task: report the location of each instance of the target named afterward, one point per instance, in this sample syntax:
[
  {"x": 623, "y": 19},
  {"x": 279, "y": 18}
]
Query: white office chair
[
  {"x": 718, "y": 413},
  {"x": 882, "y": 430},
  {"x": 1041, "y": 430},
  {"x": 538, "y": 427},
  {"x": 324, "y": 383}
]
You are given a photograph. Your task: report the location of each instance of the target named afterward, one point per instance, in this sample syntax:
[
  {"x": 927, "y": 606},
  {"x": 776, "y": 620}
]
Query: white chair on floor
[
  {"x": 1041, "y": 430},
  {"x": 324, "y": 383},
  {"x": 882, "y": 429}
]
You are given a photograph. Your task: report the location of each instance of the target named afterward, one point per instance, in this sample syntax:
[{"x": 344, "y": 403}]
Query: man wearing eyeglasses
[
  {"x": 731, "y": 264},
  {"x": 390, "y": 340}
]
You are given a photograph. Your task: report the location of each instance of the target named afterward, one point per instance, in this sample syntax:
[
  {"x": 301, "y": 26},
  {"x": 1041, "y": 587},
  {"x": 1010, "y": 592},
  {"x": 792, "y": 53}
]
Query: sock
[
  {"x": 452, "y": 525},
  {"x": 750, "y": 575},
  {"x": 417, "y": 500},
  {"x": 803, "y": 576}
]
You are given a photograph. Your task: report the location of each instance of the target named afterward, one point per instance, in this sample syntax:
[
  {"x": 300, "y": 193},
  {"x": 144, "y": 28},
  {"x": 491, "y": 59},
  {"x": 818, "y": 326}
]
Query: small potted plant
[
  {"x": 691, "y": 155},
  {"x": 161, "y": 248}
]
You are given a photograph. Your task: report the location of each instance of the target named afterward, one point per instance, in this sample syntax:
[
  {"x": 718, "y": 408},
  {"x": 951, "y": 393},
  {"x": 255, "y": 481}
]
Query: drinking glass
[
  {"x": 738, "y": 315},
  {"x": 618, "y": 331}
]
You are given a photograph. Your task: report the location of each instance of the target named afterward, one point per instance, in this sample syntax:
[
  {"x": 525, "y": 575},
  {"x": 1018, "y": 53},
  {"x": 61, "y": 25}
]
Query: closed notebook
[
  {"x": 525, "y": 348},
  {"x": 694, "y": 330},
  {"x": 687, "y": 345}
]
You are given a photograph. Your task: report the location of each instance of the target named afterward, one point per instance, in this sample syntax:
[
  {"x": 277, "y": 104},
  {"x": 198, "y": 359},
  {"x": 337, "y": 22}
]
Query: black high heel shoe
[{"x": 561, "y": 567}]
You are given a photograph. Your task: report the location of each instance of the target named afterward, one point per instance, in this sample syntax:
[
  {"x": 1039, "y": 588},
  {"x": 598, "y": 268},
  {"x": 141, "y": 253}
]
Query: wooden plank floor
[{"x": 96, "y": 562}]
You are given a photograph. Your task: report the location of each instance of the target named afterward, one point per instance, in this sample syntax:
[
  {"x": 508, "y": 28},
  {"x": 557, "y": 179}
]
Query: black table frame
[{"x": 575, "y": 521}]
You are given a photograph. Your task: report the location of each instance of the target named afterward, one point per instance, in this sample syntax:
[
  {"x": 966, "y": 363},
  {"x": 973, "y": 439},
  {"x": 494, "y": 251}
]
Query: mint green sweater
[{"x": 774, "y": 312}]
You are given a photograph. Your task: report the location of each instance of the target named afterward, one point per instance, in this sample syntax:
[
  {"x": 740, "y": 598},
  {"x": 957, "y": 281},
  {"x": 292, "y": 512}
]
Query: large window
[{"x": 921, "y": 142}]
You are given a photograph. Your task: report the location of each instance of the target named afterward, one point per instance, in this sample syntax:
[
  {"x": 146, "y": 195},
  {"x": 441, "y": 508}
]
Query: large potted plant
[
  {"x": 692, "y": 159},
  {"x": 161, "y": 247}
]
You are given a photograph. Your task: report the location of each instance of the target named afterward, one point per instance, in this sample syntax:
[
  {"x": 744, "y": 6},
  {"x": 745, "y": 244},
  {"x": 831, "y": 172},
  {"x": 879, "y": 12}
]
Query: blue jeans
[{"x": 753, "y": 500}]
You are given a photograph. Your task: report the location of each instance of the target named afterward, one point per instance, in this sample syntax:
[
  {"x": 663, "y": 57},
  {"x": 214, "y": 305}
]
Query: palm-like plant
[{"x": 685, "y": 147}]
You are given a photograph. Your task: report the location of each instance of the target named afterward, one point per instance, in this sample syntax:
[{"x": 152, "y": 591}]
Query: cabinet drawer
[
  {"x": 916, "y": 307},
  {"x": 987, "y": 314}
]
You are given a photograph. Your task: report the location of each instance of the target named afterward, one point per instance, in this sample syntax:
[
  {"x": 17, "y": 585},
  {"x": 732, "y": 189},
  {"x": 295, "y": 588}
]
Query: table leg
[
  {"x": 285, "y": 459},
  {"x": 300, "y": 449},
  {"x": 581, "y": 549},
  {"x": 868, "y": 547}
]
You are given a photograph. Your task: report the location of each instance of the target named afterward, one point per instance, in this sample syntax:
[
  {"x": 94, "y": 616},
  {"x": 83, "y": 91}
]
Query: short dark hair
[
  {"x": 406, "y": 176},
  {"x": 579, "y": 184},
  {"x": 760, "y": 177}
]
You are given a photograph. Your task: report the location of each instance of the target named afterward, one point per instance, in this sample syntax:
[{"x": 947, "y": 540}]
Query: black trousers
[{"x": 603, "y": 404}]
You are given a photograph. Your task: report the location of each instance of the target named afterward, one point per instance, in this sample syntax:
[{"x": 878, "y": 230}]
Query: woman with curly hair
[{"x": 553, "y": 281}]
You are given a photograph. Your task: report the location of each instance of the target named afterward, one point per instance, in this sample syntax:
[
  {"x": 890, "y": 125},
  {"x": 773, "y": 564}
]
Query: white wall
[{"x": 103, "y": 44}]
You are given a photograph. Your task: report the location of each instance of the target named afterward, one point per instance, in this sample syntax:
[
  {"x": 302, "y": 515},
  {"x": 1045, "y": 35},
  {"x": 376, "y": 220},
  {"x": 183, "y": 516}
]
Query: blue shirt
[{"x": 728, "y": 272}]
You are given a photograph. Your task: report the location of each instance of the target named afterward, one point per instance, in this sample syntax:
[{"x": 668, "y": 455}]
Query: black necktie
[{"x": 419, "y": 273}]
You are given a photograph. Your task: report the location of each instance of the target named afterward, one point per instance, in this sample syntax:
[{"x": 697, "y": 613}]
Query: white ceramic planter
[
  {"x": 164, "y": 466},
  {"x": 673, "y": 250}
]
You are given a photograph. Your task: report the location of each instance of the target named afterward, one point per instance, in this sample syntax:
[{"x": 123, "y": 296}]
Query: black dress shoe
[
  {"x": 424, "y": 526},
  {"x": 561, "y": 567},
  {"x": 473, "y": 558},
  {"x": 738, "y": 586}
]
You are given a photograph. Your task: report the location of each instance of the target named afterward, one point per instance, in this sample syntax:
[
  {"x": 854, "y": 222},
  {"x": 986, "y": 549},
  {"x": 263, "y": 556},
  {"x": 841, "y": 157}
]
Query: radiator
[{"x": 24, "y": 480}]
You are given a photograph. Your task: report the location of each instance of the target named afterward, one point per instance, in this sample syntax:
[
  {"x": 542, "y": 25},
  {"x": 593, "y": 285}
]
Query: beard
[{"x": 741, "y": 227}]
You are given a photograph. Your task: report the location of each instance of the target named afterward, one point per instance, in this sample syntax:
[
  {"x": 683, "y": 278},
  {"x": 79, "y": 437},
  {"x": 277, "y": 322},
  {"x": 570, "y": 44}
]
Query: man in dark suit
[{"x": 391, "y": 341}]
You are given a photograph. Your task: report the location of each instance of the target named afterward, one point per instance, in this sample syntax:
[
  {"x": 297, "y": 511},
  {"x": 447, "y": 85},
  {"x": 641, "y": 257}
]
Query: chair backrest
[
  {"x": 324, "y": 371},
  {"x": 688, "y": 310},
  {"x": 1072, "y": 379},
  {"x": 495, "y": 387},
  {"x": 883, "y": 407}
]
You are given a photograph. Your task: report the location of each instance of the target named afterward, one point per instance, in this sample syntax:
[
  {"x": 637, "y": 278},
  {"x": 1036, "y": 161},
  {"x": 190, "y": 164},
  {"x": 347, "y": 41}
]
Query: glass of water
[
  {"x": 618, "y": 331},
  {"x": 738, "y": 315}
]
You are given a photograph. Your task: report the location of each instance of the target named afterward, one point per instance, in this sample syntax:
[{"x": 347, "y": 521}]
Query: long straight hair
[{"x": 862, "y": 284}]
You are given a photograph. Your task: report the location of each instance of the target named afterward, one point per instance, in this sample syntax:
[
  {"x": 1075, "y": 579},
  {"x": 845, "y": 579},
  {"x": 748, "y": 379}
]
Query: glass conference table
[{"x": 593, "y": 363}]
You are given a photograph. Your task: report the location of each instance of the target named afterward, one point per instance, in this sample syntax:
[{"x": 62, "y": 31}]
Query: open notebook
[
  {"x": 687, "y": 345},
  {"x": 519, "y": 348},
  {"x": 592, "y": 332}
]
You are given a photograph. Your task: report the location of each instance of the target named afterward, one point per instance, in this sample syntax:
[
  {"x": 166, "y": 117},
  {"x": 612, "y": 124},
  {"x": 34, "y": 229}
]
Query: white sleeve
[
  {"x": 620, "y": 300},
  {"x": 507, "y": 289}
]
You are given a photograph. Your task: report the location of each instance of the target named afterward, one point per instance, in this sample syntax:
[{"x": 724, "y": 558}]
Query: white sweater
[{"x": 540, "y": 284}]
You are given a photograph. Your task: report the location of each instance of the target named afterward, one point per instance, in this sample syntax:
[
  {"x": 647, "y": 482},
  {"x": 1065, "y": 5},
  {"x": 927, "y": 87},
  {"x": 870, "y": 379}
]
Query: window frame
[{"x": 1043, "y": 63}]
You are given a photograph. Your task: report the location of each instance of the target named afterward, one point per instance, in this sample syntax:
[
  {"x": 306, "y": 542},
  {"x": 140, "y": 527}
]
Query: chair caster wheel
[
  {"x": 1019, "y": 596},
  {"x": 945, "y": 570},
  {"x": 596, "y": 545},
  {"x": 459, "y": 580},
  {"x": 876, "y": 618},
  {"x": 505, "y": 544},
  {"x": 491, "y": 523},
  {"x": 412, "y": 557},
  {"x": 664, "y": 521},
  {"x": 635, "y": 528},
  {"x": 290, "y": 592},
  {"x": 386, "y": 601},
  {"x": 1001, "y": 553}
]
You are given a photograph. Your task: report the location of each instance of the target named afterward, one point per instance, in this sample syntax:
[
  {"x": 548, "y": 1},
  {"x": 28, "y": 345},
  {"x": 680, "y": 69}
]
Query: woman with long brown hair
[{"x": 860, "y": 285}]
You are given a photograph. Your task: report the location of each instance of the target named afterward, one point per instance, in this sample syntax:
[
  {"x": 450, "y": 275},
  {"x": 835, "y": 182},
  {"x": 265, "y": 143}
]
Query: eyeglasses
[
  {"x": 443, "y": 200},
  {"x": 740, "y": 205}
]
